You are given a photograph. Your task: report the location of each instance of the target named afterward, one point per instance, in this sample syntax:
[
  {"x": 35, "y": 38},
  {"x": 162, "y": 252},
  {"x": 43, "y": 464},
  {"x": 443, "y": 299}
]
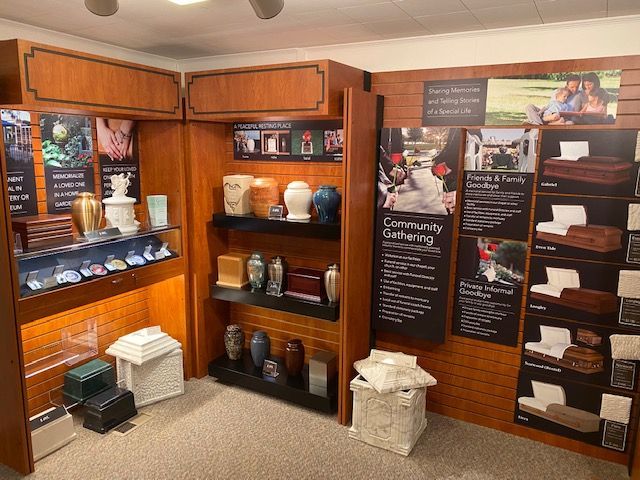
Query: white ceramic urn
[
  {"x": 297, "y": 198},
  {"x": 119, "y": 213},
  {"x": 236, "y": 194}
]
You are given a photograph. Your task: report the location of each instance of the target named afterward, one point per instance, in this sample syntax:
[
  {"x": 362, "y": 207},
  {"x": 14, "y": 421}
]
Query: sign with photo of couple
[
  {"x": 289, "y": 141},
  {"x": 554, "y": 98},
  {"x": 416, "y": 201}
]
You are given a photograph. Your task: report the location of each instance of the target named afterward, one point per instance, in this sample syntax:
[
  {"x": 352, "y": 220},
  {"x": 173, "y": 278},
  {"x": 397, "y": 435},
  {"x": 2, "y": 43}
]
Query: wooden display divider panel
[
  {"x": 477, "y": 380},
  {"x": 40, "y": 77},
  {"x": 286, "y": 90}
]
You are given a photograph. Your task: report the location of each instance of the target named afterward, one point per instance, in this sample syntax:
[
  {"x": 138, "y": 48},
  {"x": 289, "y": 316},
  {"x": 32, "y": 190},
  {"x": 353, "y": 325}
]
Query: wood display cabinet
[
  {"x": 39, "y": 325},
  {"x": 321, "y": 90}
]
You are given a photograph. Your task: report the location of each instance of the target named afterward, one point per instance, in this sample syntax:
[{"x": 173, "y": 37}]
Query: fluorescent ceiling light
[{"x": 186, "y": 2}]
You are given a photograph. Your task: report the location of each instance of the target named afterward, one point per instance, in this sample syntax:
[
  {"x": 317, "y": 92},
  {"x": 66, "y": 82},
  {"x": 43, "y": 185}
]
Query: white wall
[
  {"x": 560, "y": 41},
  {"x": 10, "y": 30}
]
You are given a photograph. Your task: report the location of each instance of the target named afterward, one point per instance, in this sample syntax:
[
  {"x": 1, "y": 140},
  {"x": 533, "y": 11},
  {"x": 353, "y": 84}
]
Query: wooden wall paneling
[
  {"x": 205, "y": 150},
  {"x": 361, "y": 116},
  {"x": 15, "y": 437},
  {"x": 312, "y": 88},
  {"x": 471, "y": 369},
  {"x": 65, "y": 81}
]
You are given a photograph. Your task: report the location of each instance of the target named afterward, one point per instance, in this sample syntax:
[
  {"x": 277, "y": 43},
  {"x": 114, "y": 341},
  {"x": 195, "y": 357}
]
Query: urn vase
[
  {"x": 297, "y": 198},
  {"x": 332, "y": 283},
  {"x": 256, "y": 270},
  {"x": 327, "y": 200},
  {"x": 260, "y": 347},
  {"x": 86, "y": 212},
  {"x": 263, "y": 193},
  {"x": 236, "y": 194},
  {"x": 119, "y": 213},
  {"x": 294, "y": 357},
  {"x": 234, "y": 341}
]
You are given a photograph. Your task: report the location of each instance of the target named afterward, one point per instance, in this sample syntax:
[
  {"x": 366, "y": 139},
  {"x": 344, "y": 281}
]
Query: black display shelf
[
  {"x": 293, "y": 389},
  {"x": 323, "y": 311},
  {"x": 251, "y": 223}
]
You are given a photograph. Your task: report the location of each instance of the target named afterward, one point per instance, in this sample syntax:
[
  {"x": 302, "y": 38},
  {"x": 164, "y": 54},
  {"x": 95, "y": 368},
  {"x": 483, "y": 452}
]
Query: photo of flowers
[
  {"x": 417, "y": 171},
  {"x": 306, "y": 142},
  {"x": 501, "y": 150},
  {"x": 501, "y": 261},
  {"x": 66, "y": 141}
]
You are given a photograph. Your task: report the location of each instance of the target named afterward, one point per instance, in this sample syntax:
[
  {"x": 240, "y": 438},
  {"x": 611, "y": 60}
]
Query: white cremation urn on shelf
[
  {"x": 118, "y": 209},
  {"x": 236, "y": 194},
  {"x": 297, "y": 198}
]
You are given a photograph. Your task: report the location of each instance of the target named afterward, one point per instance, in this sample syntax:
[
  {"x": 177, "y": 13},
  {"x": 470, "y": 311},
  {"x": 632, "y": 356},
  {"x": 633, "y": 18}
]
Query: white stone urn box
[{"x": 389, "y": 401}]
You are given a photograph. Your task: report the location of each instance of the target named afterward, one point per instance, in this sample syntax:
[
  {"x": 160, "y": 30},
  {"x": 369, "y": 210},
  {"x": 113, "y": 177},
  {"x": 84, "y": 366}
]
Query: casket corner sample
[
  {"x": 563, "y": 288},
  {"x": 570, "y": 227},
  {"x": 555, "y": 347},
  {"x": 549, "y": 402}
]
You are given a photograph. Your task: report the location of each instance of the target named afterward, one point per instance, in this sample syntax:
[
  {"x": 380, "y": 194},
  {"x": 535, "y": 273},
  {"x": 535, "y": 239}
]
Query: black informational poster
[
  {"x": 417, "y": 187},
  {"x": 455, "y": 102},
  {"x": 67, "y": 151},
  {"x": 293, "y": 141},
  {"x": 590, "y": 162},
  {"x": 18, "y": 149},
  {"x": 118, "y": 154},
  {"x": 575, "y": 351},
  {"x": 488, "y": 285},
  {"x": 573, "y": 410}
]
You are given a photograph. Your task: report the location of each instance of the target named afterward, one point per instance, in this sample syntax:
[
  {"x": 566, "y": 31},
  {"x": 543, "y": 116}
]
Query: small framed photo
[
  {"x": 276, "y": 212},
  {"x": 274, "y": 288},
  {"x": 270, "y": 368}
]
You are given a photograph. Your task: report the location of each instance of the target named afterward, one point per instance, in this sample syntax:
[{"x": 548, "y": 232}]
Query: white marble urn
[
  {"x": 297, "y": 198},
  {"x": 118, "y": 209},
  {"x": 236, "y": 194}
]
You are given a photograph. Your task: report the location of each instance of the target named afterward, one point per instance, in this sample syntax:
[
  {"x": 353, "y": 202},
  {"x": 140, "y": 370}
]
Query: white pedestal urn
[
  {"x": 118, "y": 209},
  {"x": 297, "y": 198}
]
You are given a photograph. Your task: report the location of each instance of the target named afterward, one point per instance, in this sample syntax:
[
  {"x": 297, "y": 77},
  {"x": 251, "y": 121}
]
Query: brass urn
[{"x": 86, "y": 212}]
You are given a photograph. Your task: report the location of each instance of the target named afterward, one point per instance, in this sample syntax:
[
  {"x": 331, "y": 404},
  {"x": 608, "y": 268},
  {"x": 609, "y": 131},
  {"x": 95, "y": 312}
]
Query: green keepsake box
[{"x": 87, "y": 380}]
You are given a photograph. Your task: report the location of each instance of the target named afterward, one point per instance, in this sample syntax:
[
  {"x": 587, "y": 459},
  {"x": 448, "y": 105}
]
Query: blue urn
[
  {"x": 327, "y": 200},
  {"x": 260, "y": 347}
]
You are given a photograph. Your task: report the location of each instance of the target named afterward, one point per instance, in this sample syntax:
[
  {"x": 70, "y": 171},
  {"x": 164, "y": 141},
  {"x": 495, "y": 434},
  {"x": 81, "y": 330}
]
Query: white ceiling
[{"x": 218, "y": 27}]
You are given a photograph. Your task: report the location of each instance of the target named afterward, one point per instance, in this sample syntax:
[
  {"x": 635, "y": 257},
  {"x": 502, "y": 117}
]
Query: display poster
[
  {"x": 553, "y": 98},
  {"x": 588, "y": 413},
  {"x": 577, "y": 351},
  {"x": 416, "y": 200},
  {"x": 304, "y": 140},
  {"x": 67, "y": 151},
  {"x": 118, "y": 153},
  {"x": 18, "y": 149},
  {"x": 499, "y": 167}
]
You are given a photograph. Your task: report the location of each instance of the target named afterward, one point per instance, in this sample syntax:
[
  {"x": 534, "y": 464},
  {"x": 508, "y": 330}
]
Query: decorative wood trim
[
  {"x": 254, "y": 71},
  {"x": 34, "y": 90}
]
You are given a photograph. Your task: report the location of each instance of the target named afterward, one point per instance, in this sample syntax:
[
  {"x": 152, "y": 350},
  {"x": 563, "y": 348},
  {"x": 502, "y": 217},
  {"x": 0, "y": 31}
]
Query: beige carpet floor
[{"x": 220, "y": 432}]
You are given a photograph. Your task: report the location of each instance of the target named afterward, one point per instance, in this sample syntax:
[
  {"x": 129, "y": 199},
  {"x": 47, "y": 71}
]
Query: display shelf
[
  {"x": 324, "y": 311},
  {"x": 251, "y": 223},
  {"x": 79, "y": 244},
  {"x": 293, "y": 389}
]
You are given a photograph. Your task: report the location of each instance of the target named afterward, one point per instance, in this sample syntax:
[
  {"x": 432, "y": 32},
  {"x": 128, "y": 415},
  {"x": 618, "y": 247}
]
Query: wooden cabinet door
[{"x": 362, "y": 113}]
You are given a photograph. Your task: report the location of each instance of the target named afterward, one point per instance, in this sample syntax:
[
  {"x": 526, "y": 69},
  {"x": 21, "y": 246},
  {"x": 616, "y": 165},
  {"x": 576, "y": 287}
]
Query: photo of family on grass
[{"x": 566, "y": 98}]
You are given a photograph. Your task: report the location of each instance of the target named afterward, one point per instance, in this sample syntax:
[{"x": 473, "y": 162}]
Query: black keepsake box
[
  {"x": 87, "y": 380},
  {"x": 109, "y": 409}
]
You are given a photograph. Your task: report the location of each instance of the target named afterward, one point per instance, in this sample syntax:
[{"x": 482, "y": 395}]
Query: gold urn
[{"x": 86, "y": 212}]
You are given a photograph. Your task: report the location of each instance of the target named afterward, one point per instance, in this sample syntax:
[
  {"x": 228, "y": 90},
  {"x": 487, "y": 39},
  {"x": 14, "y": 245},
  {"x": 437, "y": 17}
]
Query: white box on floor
[
  {"x": 393, "y": 421},
  {"x": 154, "y": 380},
  {"x": 50, "y": 430}
]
